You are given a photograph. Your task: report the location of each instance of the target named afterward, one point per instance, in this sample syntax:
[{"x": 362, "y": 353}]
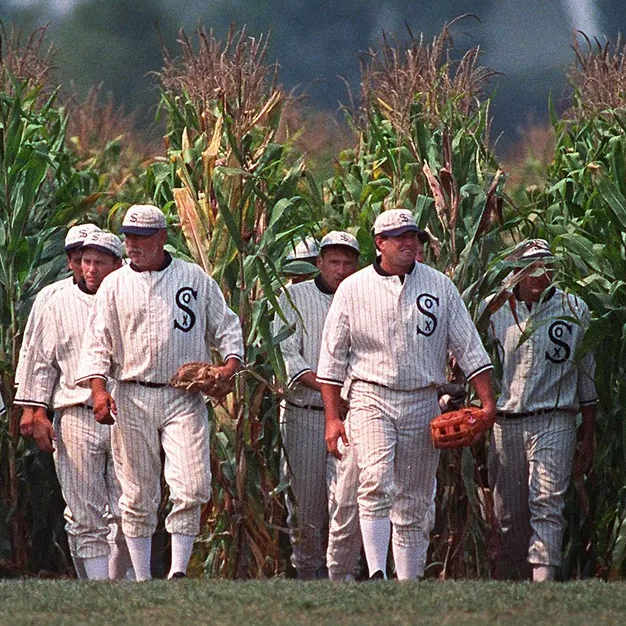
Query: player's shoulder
[
  {"x": 570, "y": 302},
  {"x": 49, "y": 290},
  {"x": 303, "y": 289},
  {"x": 422, "y": 271}
]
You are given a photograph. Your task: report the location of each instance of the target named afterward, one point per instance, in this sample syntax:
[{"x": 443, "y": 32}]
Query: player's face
[
  {"x": 73, "y": 263},
  {"x": 336, "y": 264},
  {"x": 96, "y": 265},
  {"x": 532, "y": 287},
  {"x": 146, "y": 251},
  {"x": 399, "y": 251}
]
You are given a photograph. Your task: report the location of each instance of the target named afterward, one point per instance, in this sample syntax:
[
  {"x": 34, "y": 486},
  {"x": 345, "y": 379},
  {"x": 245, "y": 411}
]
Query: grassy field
[{"x": 287, "y": 602}]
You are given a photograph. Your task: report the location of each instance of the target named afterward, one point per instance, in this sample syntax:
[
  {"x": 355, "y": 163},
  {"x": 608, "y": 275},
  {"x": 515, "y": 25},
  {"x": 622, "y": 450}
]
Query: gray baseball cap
[
  {"x": 395, "y": 222},
  {"x": 105, "y": 242},
  {"x": 76, "y": 235},
  {"x": 340, "y": 238},
  {"x": 143, "y": 219}
]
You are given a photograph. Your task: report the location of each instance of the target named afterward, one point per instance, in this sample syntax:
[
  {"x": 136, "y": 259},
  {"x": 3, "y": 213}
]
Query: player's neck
[{"x": 395, "y": 269}]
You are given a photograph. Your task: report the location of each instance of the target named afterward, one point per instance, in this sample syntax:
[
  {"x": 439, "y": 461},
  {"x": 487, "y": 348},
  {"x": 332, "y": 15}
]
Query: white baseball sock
[
  {"x": 81, "y": 574},
  {"x": 182, "y": 545},
  {"x": 140, "y": 549},
  {"x": 542, "y": 573},
  {"x": 376, "y": 533},
  {"x": 407, "y": 562},
  {"x": 97, "y": 567}
]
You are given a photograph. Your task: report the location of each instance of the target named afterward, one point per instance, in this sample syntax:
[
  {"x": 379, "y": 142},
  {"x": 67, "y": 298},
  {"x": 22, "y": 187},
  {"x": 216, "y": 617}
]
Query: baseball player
[
  {"x": 344, "y": 533},
  {"x": 307, "y": 463},
  {"x": 305, "y": 251},
  {"x": 83, "y": 457},
  {"x": 388, "y": 333},
  {"x": 545, "y": 383},
  {"x": 149, "y": 318},
  {"x": 73, "y": 250}
]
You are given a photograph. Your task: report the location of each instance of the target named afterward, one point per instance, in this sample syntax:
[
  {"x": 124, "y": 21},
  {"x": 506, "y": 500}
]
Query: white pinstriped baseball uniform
[
  {"x": 390, "y": 337},
  {"x": 307, "y": 462},
  {"x": 144, "y": 326},
  {"x": 38, "y": 308},
  {"x": 545, "y": 380},
  {"x": 83, "y": 457}
]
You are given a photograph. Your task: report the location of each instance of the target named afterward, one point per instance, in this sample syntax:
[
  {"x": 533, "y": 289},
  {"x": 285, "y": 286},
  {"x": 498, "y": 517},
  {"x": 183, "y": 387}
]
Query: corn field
[{"x": 238, "y": 192}]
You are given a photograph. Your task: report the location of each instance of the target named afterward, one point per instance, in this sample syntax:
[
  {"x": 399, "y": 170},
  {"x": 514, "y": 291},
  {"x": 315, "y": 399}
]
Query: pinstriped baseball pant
[
  {"x": 147, "y": 420},
  {"x": 396, "y": 459},
  {"x": 310, "y": 468},
  {"x": 530, "y": 464},
  {"x": 344, "y": 534},
  {"x": 84, "y": 465}
]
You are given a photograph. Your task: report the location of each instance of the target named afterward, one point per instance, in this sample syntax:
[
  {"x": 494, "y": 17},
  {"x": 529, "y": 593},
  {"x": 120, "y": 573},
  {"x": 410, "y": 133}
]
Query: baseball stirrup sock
[
  {"x": 542, "y": 573},
  {"x": 376, "y": 533},
  {"x": 97, "y": 567},
  {"x": 182, "y": 545},
  {"x": 140, "y": 549},
  {"x": 407, "y": 562}
]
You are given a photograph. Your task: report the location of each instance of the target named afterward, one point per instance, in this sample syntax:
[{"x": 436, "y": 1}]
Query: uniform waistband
[
  {"x": 308, "y": 407},
  {"x": 508, "y": 415},
  {"x": 145, "y": 383}
]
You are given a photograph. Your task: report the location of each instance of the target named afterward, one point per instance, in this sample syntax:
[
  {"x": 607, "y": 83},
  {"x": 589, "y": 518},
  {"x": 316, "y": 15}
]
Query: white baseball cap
[
  {"x": 395, "y": 222},
  {"x": 76, "y": 235},
  {"x": 531, "y": 250},
  {"x": 340, "y": 238},
  {"x": 105, "y": 242},
  {"x": 143, "y": 219},
  {"x": 306, "y": 249}
]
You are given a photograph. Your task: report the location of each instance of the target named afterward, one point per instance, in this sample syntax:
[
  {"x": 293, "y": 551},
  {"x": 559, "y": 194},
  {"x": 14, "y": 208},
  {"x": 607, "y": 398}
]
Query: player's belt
[
  {"x": 145, "y": 383},
  {"x": 525, "y": 414},
  {"x": 308, "y": 407}
]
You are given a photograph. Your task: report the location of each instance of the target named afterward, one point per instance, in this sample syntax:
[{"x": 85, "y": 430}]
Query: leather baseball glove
[
  {"x": 458, "y": 429},
  {"x": 199, "y": 376}
]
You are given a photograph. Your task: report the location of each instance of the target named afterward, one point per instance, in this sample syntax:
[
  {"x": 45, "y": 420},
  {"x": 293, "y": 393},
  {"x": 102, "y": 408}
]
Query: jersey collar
[
  {"x": 381, "y": 272},
  {"x": 322, "y": 286}
]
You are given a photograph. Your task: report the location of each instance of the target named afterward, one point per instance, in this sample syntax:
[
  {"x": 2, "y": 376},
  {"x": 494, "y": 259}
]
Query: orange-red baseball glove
[{"x": 458, "y": 429}]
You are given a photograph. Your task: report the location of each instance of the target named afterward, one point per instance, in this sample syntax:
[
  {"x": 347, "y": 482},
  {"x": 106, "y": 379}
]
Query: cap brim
[
  {"x": 138, "y": 230},
  {"x": 73, "y": 246},
  {"x": 93, "y": 246},
  {"x": 396, "y": 232}
]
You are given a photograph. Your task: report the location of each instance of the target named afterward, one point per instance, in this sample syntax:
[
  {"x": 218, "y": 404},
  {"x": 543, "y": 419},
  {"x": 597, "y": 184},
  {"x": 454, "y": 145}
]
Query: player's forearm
[
  {"x": 588, "y": 425},
  {"x": 308, "y": 379},
  {"x": 331, "y": 397},
  {"x": 231, "y": 367},
  {"x": 98, "y": 385},
  {"x": 484, "y": 390}
]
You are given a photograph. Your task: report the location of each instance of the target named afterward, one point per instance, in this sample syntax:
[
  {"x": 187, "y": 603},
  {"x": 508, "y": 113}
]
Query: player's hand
[
  {"x": 43, "y": 432},
  {"x": 26, "y": 422},
  {"x": 104, "y": 407},
  {"x": 222, "y": 384},
  {"x": 335, "y": 430}
]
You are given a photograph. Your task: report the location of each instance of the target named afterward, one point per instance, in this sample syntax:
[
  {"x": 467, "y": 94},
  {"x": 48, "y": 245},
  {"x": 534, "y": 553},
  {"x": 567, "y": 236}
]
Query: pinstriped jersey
[
  {"x": 397, "y": 333},
  {"x": 145, "y": 325},
  {"x": 539, "y": 349},
  {"x": 39, "y": 305},
  {"x": 301, "y": 349},
  {"x": 50, "y": 374}
]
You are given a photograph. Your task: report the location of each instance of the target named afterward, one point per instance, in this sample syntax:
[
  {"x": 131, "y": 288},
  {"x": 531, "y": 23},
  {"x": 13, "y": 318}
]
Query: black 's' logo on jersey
[
  {"x": 561, "y": 350},
  {"x": 425, "y": 305},
  {"x": 183, "y": 300}
]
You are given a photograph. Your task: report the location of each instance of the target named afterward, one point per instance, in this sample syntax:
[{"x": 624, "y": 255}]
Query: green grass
[{"x": 282, "y": 602}]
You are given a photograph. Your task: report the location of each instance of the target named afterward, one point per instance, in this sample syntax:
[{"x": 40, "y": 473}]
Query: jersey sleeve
[
  {"x": 35, "y": 314},
  {"x": 291, "y": 347},
  {"x": 40, "y": 372},
  {"x": 223, "y": 327},
  {"x": 97, "y": 347},
  {"x": 335, "y": 348},
  {"x": 586, "y": 388},
  {"x": 463, "y": 339}
]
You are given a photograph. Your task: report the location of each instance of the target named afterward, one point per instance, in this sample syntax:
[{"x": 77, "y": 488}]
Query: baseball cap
[
  {"x": 532, "y": 250},
  {"x": 306, "y": 249},
  {"x": 395, "y": 222},
  {"x": 105, "y": 242},
  {"x": 340, "y": 238},
  {"x": 143, "y": 219},
  {"x": 77, "y": 234}
]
